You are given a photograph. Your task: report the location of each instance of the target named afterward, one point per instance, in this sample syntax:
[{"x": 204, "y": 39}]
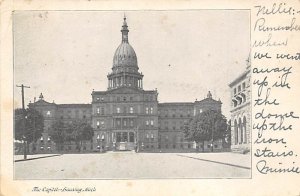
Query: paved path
[
  {"x": 33, "y": 157},
  {"x": 129, "y": 165}
]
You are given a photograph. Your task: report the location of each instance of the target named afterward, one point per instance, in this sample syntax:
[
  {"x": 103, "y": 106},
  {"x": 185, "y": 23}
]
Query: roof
[
  {"x": 74, "y": 105},
  {"x": 176, "y": 104},
  {"x": 208, "y": 100},
  {"x": 239, "y": 78}
]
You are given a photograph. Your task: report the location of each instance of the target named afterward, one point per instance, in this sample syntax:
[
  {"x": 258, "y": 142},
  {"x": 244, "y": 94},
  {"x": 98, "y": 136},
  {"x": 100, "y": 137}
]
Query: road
[{"x": 130, "y": 165}]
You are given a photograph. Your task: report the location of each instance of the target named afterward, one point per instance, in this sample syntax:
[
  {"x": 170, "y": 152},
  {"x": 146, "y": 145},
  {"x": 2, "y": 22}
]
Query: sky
[{"x": 67, "y": 54}]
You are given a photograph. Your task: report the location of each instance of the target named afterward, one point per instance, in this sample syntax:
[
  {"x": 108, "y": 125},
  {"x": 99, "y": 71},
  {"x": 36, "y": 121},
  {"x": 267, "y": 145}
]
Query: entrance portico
[{"x": 124, "y": 139}]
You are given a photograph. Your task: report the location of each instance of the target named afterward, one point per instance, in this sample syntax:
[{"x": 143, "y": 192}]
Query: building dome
[
  {"x": 125, "y": 56},
  {"x": 125, "y": 67}
]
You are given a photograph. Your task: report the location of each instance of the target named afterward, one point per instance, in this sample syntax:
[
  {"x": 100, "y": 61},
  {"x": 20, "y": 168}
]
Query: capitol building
[{"x": 125, "y": 116}]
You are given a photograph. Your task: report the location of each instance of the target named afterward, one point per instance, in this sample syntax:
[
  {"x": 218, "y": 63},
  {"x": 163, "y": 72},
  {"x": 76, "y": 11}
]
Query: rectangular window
[
  {"x": 118, "y": 110},
  {"x": 102, "y": 111},
  {"x": 234, "y": 91},
  {"x": 125, "y": 123},
  {"x": 151, "y": 110},
  {"x": 147, "y": 110},
  {"x": 98, "y": 110},
  {"x": 98, "y": 124},
  {"x": 244, "y": 85},
  {"x": 152, "y": 122},
  {"x": 147, "y": 122},
  {"x": 131, "y": 123},
  {"x": 239, "y": 88},
  {"x": 131, "y": 110}
]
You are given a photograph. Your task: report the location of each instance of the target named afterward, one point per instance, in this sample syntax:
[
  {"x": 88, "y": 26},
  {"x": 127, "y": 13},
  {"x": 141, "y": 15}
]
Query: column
[{"x": 141, "y": 83}]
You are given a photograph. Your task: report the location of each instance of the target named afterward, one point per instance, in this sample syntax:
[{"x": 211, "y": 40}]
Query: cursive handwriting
[
  {"x": 269, "y": 153},
  {"x": 269, "y": 42},
  {"x": 265, "y": 100},
  {"x": 262, "y": 167},
  {"x": 276, "y": 9},
  {"x": 260, "y": 25}
]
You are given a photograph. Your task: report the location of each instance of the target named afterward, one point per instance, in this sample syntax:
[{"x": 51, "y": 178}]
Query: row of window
[
  {"x": 73, "y": 111},
  {"x": 125, "y": 98},
  {"x": 100, "y": 124},
  {"x": 130, "y": 110},
  {"x": 175, "y": 112},
  {"x": 239, "y": 88},
  {"x": 69, "y": 117},
  {"x": 126, "y": 122},
  {"x": 149, "y": 122},
  {"x": 174, "y": 115}
]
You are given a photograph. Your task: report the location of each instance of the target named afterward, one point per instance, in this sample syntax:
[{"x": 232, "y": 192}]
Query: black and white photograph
[{"x": 132, "y": 94}]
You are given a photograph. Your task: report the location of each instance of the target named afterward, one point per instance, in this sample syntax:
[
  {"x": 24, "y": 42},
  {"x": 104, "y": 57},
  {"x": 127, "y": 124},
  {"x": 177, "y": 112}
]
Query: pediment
[
  {"x": 208, "y": 100},
  {"x": 43, "y": 103}
]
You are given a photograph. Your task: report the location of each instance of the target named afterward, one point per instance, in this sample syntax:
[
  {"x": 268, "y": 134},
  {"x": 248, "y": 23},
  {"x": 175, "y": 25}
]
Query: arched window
[
  {"x": 235, "y": 132},
  {"x": 244, "y": 128},
  {"x": 241, "y": 131}
]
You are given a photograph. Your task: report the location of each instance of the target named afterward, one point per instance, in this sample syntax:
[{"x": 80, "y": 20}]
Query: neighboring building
[
  {"x": 126, "y": 116},
  {"x": 241, "y": 112}
]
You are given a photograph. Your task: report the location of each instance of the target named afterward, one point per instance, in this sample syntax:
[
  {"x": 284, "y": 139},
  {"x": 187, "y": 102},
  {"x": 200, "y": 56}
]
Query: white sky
[{"x": 66, "y": 54}]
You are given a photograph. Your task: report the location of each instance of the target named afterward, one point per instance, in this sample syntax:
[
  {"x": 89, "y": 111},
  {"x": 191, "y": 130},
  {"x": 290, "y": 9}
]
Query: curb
[{"x": 37, "y": 158}]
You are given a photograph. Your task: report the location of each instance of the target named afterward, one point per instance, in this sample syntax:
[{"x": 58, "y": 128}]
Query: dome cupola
[
  {"x": 125, "y": 67},
  {"x": 125, "y": 55}
]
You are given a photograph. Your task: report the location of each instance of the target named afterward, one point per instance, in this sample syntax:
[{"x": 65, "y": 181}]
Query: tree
[
  {"x": 82, "y": 131},
  {"x": 28, "y": 125},
  {"x": 58, "y": 134},
  {"x": 77, "y": 131},
  {"x": 208, "y": 125}
]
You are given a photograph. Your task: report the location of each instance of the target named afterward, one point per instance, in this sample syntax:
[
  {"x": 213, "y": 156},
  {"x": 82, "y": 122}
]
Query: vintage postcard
[{"x": 189, "y": 99}]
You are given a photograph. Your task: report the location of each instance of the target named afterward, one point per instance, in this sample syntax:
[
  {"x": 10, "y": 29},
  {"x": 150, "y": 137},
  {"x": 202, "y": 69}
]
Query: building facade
[
  {"x": 241, "y": 112},
  {"x": 125, "y": 116}
]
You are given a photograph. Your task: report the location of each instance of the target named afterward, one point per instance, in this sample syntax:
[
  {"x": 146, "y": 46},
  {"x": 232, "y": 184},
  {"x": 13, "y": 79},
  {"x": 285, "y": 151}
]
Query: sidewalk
[
  {"x": 226, "y": 158},
  {"x": 18, "y": 158}
]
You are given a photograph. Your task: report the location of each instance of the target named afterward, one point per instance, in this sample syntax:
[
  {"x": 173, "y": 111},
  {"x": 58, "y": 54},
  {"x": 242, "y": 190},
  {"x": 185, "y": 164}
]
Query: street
[{"x": 130, "y": 165}]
